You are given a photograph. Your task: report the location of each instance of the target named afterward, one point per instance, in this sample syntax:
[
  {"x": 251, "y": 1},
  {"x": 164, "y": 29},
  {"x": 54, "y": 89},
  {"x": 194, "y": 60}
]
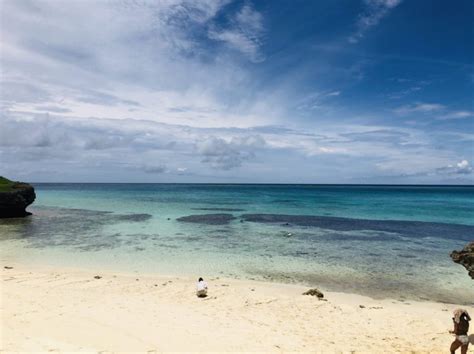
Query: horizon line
[{"x": 270, "y": 183}]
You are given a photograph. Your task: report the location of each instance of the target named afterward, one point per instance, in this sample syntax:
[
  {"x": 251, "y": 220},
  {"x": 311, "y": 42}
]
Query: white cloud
[
  {"x": 457, "y": 115},
  {"x": 405, "y": 92},
  {"x": 315, "y": 100},
  {"x": 244, "y": 34},
  {"x": 141, "y": 150},
  {"x": 131, "y": 59},
  {"x": 462, "y": 167},
  {"x": 374, "y": 12},
  {"x": 420, "y": 108},
  {"x": 438, "y": 111},
  {"x": 226, "y": 155}
]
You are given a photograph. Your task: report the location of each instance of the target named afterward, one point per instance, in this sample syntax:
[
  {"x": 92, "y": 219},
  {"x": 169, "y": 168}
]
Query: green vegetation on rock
[
  {"x": 6, "y": 185},
  {"x": 11, "y": 186}
]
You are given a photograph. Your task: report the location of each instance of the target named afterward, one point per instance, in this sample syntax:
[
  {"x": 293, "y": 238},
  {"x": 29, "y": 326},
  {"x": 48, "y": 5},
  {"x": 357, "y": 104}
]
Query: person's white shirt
[{"x": 202, "y": 285}]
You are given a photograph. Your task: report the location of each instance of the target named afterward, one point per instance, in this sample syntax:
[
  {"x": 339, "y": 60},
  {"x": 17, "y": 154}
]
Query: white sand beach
[{"x": 54, "y": 309}]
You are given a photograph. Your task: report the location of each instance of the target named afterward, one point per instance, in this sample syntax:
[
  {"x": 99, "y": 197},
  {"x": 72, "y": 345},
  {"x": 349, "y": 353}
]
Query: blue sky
[{"x": 347, "y": 91}]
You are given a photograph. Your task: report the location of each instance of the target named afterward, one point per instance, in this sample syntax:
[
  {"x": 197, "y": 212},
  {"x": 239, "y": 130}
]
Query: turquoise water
[{"x": 382, "y": 241}]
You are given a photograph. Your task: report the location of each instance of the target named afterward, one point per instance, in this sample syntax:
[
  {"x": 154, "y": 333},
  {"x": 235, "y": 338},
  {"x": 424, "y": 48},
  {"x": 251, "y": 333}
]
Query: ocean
[{"x": 380, "y": 241}]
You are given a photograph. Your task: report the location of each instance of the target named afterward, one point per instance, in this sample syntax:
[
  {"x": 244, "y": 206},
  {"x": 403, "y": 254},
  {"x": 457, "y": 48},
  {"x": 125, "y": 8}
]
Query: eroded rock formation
[
  {"x": 14, "y": 198},
  {"x": 465, "y": 257}
]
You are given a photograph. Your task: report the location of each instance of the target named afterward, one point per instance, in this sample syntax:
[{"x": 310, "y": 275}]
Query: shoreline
[
  {"x": 66, "y": 309},
  {"x": 345, "y": 285}
]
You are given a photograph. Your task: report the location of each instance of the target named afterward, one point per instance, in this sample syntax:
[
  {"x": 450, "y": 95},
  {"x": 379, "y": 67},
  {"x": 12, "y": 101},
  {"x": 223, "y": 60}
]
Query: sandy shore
[{"x": 69, "y": 310}]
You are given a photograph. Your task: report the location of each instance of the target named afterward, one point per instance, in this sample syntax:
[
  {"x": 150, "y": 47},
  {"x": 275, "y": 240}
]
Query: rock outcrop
[
  {"x": 465, "y": 257},
  {"x": 14, "y": 198},
  {"x": 314, "y": 292}
]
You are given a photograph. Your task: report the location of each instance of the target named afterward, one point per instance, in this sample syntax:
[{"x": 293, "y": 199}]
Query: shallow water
[{"x": 382, "y": 241}]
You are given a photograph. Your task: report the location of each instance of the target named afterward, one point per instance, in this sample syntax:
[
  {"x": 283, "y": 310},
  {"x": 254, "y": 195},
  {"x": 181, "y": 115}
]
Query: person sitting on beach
[
  {"x": 201, "y": 288},
  {"x": 461, "y": 327}
]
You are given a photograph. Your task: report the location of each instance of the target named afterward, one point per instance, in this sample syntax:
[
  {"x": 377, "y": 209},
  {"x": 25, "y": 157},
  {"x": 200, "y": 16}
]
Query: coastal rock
[
  {"x": 465, "y": 257},
  {"x": 14, "y": 198},
  {"x": 314, "y": 292}
]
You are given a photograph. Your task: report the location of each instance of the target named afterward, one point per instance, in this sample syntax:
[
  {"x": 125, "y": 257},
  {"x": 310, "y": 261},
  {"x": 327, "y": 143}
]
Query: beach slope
[{"x": 70, "y": 310}]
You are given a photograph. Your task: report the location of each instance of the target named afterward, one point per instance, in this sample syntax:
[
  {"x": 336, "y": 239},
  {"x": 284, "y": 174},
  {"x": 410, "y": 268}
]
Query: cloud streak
[
  {"x": 374, "y": 12},
  {"x": 420, "y": 108},
  {"x": 435, "y": 110}
]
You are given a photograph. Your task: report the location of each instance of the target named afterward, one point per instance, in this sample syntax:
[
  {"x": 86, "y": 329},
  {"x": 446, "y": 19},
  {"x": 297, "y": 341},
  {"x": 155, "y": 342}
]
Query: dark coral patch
[
  {"x": 406, "y": 228},
  {"x": 208, "y": 219}
]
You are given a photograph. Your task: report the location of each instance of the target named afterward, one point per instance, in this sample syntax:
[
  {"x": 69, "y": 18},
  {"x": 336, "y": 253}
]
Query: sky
[{"x": 222, "y": 91}]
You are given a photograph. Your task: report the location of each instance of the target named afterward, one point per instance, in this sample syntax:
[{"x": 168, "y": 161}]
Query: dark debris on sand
[{"x": 314, "y": 292}]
